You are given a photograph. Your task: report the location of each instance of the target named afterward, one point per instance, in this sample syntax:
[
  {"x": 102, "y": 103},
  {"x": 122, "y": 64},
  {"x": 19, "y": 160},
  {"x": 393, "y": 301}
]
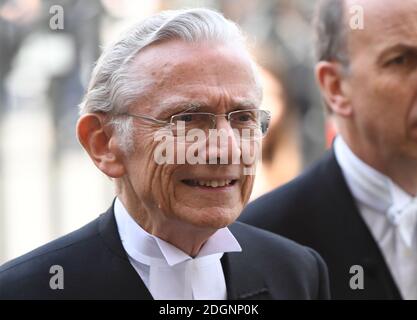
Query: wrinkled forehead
[
  {"x": 198, "y": 72},
  {"x": 384, "y": 21}
]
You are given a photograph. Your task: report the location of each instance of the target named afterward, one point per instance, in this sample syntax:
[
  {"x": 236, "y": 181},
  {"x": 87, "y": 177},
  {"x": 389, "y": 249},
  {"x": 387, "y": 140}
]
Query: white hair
[{"x": 114, "y": 87}]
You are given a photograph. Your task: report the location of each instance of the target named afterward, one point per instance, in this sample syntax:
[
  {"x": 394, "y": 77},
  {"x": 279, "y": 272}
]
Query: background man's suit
[
  {"x": 317, "y": 210},
  {"x": 97, "y": 267}
]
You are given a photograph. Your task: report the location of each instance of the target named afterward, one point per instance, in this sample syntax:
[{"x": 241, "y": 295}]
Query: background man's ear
[
  {"x": 101, "y": 144},
  {"x": 334, "y": 87}
]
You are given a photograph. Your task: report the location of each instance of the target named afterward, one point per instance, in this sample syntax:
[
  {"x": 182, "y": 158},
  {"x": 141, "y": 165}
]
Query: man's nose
[{"x": 223, "y": 143}]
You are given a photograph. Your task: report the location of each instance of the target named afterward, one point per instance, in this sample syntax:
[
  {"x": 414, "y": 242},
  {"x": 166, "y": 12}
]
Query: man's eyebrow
[
  {"x": 178, "y": 106},
  {"x": 171, "y": 108},
  {"x": 244, "y": 104}
]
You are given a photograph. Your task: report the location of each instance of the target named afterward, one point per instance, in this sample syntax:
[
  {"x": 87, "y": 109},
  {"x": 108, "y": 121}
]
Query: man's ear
[
  {"x": 101, "y": 144},
  {"x": 334, "y": 87}
]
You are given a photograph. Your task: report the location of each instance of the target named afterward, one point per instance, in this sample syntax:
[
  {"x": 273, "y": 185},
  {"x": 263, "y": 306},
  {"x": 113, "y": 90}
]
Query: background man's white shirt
[
  {"x": 170, "y": 273},
  {"x": 389, "y": 212}
]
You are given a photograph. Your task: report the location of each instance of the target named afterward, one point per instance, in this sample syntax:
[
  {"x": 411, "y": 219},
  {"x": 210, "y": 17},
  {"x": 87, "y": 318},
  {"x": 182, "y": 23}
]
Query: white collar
[
  {"x": 149, "y": 249},
  {"x": 369, "y": 186}
]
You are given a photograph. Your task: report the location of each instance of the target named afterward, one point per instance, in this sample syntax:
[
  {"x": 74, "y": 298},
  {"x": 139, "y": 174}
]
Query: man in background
[{"x": 357, "y": 206}]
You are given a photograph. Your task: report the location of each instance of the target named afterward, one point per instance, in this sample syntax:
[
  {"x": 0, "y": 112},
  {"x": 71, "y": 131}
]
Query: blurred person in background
[
  {"x": 281, "y": 29},
  {"x": 170, "y": 233},
  {"x": 357, "y": 206},
  {"x": 281, "y": 148}
]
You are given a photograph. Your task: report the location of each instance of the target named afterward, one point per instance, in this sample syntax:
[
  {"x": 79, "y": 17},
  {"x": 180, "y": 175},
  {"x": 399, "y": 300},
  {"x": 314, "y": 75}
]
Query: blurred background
[{"x": 48, "y": 185}]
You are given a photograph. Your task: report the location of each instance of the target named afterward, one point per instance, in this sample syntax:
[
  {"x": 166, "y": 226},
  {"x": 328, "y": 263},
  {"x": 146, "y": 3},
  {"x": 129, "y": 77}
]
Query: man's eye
[
  {"x": 244, "y": 117},
  {"x": 400, "y": 60},
  {"x": 407, "y": 58},
  {"x": 185, "y": 117}
]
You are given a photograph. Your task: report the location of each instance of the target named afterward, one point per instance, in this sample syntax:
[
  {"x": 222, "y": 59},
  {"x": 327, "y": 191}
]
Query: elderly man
[
  {"x": 357, "y": 206},
  {"x": 178, "y": 74}
]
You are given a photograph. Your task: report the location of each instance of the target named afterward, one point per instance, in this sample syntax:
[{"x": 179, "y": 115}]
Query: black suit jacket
[
  {"x": 317, "y": 209},
  {"x": 96, "y": 267}
]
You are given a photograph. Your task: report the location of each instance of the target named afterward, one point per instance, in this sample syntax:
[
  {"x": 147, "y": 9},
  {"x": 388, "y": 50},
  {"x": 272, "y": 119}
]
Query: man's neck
[
  {"x": 189, "y": 239},
  {"x": 403, "y": 172},
  {"x": 404, "y": 175}
]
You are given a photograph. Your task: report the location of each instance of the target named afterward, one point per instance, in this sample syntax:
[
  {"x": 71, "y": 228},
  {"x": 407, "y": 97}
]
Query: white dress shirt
[
  {"x": 168, "y": 272},
  {"x": 389, "y": 212}
]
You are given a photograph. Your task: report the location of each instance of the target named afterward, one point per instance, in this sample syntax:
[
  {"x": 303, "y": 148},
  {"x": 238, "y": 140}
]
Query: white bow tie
[{"x": 404, "y": 219}]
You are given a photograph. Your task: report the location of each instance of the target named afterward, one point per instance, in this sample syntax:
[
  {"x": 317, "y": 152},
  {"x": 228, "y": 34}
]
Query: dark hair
[{"x": 330, "y": 31}]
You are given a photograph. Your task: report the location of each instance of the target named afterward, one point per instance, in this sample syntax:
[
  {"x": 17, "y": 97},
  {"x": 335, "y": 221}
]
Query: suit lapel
[
  {"x": 243, "y": 283},
  {"x": 358, "y": 241},
  {"x": 124, "y": 276}
]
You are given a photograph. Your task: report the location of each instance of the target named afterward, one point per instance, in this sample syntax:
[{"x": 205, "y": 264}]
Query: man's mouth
[{"x": 217, "y": 183}]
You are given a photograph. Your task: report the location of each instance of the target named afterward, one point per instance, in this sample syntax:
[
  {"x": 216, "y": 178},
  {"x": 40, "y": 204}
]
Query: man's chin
[{"x": 211, "y": 217}]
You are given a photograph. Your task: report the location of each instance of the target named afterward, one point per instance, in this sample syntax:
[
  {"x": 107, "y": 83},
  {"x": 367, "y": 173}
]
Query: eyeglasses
[{"x": 249, "y": 124}]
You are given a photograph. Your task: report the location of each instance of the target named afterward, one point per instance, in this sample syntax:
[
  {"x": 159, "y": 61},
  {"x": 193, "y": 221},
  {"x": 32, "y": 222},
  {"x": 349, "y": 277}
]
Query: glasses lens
[
  {"x": 250, "y": 124},
  {"x": 183, "y": 123}
]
